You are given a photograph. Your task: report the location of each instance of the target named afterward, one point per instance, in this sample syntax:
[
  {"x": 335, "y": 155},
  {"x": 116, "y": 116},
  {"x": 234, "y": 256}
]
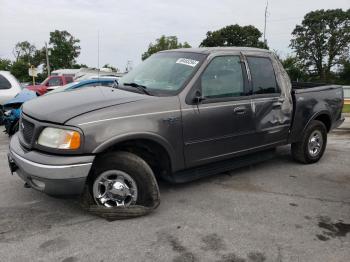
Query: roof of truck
[{"x": 209, "y": 50}]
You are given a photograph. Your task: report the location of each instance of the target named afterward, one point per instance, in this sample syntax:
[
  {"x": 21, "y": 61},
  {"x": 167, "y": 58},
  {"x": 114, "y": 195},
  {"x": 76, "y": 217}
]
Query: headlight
[{"x": 59, "y": 138}]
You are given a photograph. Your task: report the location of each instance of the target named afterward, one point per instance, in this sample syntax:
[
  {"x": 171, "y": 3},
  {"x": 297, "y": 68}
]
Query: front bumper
[{"x": 52, "y": 174}]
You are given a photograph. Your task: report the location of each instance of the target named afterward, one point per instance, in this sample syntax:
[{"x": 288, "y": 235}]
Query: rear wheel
[{"x": 312, "y": 145}]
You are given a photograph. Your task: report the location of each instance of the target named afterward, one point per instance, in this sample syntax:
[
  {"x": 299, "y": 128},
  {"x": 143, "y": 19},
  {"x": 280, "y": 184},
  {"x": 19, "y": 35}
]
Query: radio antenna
[
  {"x": 98, "y": 53},
  {"x": 267, "y": 4}
]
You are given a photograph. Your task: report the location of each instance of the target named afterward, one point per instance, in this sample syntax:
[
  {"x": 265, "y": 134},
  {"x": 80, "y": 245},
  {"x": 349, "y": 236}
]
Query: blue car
[
  {"x": 12, "y": 108},
  {"x": 85, "y": 83}
]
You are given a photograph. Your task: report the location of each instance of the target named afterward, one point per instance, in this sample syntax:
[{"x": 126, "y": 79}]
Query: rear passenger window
[
  {"x": 263, "y": 75},
  {"x": 223, "y": 78},
  {"x": 4, "y": 83}
]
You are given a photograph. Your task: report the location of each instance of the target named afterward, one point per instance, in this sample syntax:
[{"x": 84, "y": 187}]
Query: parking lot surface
[{"x": 277, "y": 210}]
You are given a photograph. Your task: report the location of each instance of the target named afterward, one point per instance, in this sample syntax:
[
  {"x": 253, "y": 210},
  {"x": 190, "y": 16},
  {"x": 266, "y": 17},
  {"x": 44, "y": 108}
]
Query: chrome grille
[{"x": 27, "y": 129}]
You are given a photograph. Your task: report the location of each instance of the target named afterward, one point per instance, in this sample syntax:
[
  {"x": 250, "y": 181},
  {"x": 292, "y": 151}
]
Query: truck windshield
[{"x": 164, "y": 73}]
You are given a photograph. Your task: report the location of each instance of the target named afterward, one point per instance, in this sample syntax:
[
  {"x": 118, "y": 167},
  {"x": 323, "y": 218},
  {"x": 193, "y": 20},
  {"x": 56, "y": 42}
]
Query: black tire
[
  {"x": 13, "y": 128},
  {"x": 1, "y": 116},
  {"x": 134, "y": 166},
  {"x": 300, "y": 151}
]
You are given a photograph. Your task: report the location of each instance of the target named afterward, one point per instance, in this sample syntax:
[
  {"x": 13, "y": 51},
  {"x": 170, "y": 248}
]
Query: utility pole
[
  {"x": 47, "y": 60},
  {"x": 33, "y": 73},
  {"x": 267, "y": 4}
]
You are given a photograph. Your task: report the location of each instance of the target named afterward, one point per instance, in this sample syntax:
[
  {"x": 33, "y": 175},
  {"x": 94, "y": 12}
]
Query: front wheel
[
  {"x": 312, "y": 145},
  {"x": 14, "y": 128},
  {"x": 122, "y": 179},
  {"x": 1, "y": 116}
]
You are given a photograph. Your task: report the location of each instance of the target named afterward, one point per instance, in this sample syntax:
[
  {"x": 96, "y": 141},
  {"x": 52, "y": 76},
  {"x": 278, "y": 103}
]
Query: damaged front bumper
[{"x": 51, "y": 174}]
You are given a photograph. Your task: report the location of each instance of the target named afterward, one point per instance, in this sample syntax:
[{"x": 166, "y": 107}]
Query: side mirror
[{"x": 198, "y": 98}]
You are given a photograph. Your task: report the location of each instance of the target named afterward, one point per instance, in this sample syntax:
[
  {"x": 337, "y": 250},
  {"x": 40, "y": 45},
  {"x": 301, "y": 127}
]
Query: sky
[{"x": 126, "y": 28}]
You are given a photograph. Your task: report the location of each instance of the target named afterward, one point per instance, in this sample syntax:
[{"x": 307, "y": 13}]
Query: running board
[{"x": 191, "y": 174}]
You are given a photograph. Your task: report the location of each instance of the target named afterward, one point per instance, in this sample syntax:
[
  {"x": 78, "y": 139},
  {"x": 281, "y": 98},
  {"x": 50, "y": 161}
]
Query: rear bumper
[{"x": 52, "y": 174}]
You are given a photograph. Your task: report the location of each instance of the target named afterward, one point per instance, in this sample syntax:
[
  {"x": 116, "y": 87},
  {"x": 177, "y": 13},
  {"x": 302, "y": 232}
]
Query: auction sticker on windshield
[{"x": 186, "y": 61}]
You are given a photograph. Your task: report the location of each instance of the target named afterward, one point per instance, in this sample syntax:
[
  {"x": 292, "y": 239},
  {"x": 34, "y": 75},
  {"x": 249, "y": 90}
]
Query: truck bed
[
  {"x": 313, "y": 101},
  {"x": 305, "y": 85}
]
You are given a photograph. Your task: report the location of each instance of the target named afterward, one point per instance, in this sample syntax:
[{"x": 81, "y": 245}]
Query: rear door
[
  {"x": 222, "y": 124},
  {"x": 271, "y": 121}
]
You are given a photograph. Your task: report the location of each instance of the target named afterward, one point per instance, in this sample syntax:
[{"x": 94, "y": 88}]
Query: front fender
[{"x": 146, "y": 136}]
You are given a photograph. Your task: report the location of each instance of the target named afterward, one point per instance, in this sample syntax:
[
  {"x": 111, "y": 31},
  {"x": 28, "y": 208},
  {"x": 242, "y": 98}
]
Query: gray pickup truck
[{"x": 180, "y": 115}]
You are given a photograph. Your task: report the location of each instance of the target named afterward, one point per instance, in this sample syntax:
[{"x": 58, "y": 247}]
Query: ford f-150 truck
[{"x": 180, "y": 115}]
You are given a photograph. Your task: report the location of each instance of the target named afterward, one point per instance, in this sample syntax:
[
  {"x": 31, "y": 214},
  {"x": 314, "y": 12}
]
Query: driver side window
[{"x": 223, "y": 78}]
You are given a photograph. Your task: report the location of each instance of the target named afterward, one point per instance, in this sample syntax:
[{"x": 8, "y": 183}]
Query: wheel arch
[
  {"x": 151, "y": 147},
  {"x": 322, "y": 116}
]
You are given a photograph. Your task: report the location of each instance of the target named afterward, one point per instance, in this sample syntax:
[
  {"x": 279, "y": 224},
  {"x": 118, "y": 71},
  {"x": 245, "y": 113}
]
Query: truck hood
[{"x": 62, "y": 106}]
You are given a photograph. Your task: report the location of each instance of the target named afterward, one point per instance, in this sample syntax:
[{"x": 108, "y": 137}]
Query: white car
[{"x": 9, "y": 86}]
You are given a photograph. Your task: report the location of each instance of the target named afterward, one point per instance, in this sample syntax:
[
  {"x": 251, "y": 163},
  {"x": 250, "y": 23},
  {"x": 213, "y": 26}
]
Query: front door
[{"x": 222, "y": 123}]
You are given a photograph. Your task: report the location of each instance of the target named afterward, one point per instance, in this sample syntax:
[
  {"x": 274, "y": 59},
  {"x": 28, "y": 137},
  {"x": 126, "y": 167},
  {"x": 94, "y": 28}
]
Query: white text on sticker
[{"x": 186, "y": 61}]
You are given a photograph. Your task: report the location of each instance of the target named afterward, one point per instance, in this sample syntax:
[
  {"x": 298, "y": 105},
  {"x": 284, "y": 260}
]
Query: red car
[{"x": 50, "y": 83}]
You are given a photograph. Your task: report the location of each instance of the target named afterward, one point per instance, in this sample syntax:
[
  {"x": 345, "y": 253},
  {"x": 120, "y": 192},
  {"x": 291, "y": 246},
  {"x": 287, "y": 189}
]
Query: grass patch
[{"x": 346, "y": 109}]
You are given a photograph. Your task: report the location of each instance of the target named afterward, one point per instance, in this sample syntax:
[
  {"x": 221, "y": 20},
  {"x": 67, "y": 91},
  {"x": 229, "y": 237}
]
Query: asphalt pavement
[{"x": 276, "y": 211}]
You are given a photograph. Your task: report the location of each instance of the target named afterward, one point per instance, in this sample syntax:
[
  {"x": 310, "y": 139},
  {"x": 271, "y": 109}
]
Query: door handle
[
  {"x": 277, "y": 104},
  {"x": 239, "y": 110}
]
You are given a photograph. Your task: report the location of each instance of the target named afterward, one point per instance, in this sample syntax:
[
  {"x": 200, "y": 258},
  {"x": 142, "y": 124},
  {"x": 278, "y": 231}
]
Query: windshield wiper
[{"x": 142, "y": 88}]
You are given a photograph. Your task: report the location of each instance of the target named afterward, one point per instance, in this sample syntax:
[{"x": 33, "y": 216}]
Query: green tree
[
  {"x": 64, "y": 49},
  {"x": 114, "y": 69},
  {"x": 294, "y": 68},
  {"x": 322, "y": 40},
  {"x": 78, "y": 66},
  {"x": 26, "y": 55},
  {"x": 20, "y": 70},
  {"x": 234, "y": 35},
  {"x": 164, "y": 43},
  {"x": 344, "y": 74},
  {"x": 24, "y": 50},
  {"x": 39, "y": 57},
  {"x": 5, "y": 64}
]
